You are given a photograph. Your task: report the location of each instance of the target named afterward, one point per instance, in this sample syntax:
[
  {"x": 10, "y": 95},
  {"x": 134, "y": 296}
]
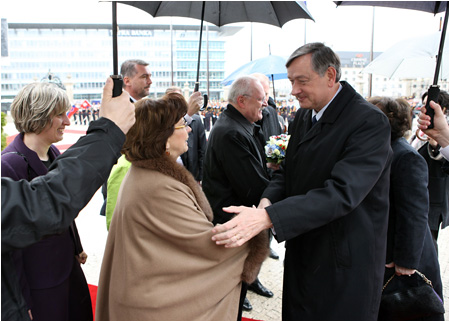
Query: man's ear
[
  {"x": 331, "y": 76},
  {"x": 126, "y": 80},
  {"x": 241, "y": 101}
]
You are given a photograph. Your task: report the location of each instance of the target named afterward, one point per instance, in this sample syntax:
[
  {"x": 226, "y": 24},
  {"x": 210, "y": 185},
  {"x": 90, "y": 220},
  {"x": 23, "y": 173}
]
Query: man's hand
[
  {"x": 82, "y": 257},
  {"x": 440, "y": 130},
  {"x": 248, "y": 223},
  {"x": 263, "y": 203},
  {"x": 118, "y": 109},
  {"x": 273, "y": 166},
  {"x": 194, "y": 103}
]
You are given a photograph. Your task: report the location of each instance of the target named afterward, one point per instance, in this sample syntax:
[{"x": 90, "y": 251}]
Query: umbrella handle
[
  {"x": 205, "y": 97},
  {"x": 118, "y": 85},
  {"x": 433, "y": 95},
  {"x": 205, "y": 102}
]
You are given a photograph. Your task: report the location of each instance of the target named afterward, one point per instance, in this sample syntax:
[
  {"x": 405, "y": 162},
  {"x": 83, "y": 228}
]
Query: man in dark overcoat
[
  {"x": 235, "y": 167},
  {"x": 330, "y": 199},
  {"x": 193, "y": 158}
]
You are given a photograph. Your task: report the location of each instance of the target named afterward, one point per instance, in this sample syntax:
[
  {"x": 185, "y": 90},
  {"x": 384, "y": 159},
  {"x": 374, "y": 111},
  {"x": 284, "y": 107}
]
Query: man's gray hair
[
  {"x": 128, "y": 68},
  {"x": 322, "y": 57},
  {"x": 242, "y": 86}
]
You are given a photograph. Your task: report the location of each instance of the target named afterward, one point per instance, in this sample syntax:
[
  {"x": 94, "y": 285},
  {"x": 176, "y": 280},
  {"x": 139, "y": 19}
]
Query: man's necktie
[{"x": 314, "y": 121}]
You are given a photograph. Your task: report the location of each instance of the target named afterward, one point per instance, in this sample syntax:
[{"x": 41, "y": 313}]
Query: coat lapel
[{"x": 336, "y": 107}]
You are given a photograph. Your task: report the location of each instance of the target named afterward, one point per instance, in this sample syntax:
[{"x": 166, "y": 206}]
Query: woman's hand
[{"x": 401, "y": 270}]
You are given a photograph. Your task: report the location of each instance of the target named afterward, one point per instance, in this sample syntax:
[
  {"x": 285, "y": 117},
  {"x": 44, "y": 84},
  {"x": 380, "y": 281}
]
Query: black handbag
[{"x": 409, "y": 298}]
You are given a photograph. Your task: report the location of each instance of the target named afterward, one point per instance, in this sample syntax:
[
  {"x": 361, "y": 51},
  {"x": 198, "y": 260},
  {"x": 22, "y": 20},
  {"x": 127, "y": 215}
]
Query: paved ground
[{"x": 93, "y": 233}]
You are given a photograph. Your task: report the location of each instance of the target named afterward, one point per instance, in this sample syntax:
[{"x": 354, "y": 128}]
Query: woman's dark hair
[
  {"x": 442, "y": 99},
  {"x": 398, "y": 112},
  {"x": 155, "y": 122}
]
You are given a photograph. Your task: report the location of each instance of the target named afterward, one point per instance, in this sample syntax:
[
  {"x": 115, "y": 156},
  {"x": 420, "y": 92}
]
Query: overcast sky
[{"x": 342, "y": 28}]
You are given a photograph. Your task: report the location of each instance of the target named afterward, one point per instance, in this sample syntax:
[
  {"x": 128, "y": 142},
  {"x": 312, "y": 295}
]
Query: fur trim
[
  {"x": 259, "y": 250},
  {"x": 167, "y": 166}
]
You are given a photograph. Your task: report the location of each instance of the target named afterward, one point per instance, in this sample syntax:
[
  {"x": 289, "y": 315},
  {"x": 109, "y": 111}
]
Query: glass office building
[{"x": 81, "y": 56}]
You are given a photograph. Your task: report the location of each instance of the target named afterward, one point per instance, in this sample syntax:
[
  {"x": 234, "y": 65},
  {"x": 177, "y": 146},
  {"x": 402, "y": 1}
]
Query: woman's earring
[{"x": 167, "y": 151}]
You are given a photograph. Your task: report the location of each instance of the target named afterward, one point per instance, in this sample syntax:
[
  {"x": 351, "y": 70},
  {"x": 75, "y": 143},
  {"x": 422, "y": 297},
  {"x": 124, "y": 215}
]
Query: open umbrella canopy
[
  {"x": 426, "y": 6},
  {"x": 220, "y": 13},
  {"x": 271, "y": 66},
  {"x": 411, "y": 58}
]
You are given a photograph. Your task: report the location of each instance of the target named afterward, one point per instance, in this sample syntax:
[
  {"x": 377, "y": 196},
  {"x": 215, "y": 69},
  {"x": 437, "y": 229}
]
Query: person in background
[
  {"x": 159, "y": 262},
  {"x": 207, "y": 120},
  {"x": 49, "y": 271},
  {"x": 136, "y": 81},
  {"x": 409, "y": 241},
  {"x": 437, "y": 177},
  {"x": 269, "y": 123},
  {"x": 235, "y": 169},
  {"x": 29, "y": 210},
  {"x": 84, "y": 115},
  {"x": 80, "y": 116},
  {"x": 136, "y": 78},
  {"x": 192, "y": 159},
  {"x": 330, "y": 199}
]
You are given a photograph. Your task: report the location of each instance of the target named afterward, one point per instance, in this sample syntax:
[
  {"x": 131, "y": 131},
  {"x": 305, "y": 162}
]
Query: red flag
[
  {"x": 72, "y": 111},
  {"x": 85, "y": 104}
]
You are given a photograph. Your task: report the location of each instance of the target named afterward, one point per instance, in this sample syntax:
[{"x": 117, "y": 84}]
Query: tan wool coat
[{"x": 159, "y": 262}]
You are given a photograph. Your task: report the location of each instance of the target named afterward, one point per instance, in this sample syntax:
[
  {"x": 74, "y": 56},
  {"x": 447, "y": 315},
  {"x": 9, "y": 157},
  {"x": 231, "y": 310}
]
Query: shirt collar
[{"x": 319, "y": 115}]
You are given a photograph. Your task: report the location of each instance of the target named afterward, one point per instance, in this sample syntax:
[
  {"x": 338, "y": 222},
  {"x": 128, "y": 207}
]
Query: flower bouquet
[{"x": 276, "y": 148}]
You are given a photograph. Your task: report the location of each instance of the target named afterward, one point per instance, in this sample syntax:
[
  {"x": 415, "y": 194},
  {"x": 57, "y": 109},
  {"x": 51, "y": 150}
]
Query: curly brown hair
[
  {"x": 398, "y": 112},
  {"x": 155, "y": 123}
]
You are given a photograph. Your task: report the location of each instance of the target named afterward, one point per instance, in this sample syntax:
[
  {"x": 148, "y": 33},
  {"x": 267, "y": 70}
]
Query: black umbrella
[
  {"x": 427, "y": 6},
  {"x": 220, "y": 13},
  {"x": 116, "y": 77}
]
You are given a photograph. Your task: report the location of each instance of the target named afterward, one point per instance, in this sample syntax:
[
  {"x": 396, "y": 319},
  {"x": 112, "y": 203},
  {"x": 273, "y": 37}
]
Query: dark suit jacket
[
  {"x": 49, "y": 262},
  {"x": 437, "y": 188},
  {"x": 331, "y": 203},
  {"x": 193, "y": 158},
  {"x": 410, "y": 244},
  {"x": 234, "y": 169}
]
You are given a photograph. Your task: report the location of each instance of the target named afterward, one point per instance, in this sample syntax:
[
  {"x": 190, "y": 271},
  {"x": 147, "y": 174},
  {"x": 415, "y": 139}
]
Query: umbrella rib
[
  {"x": 275, "y": 13},
  {"x": 395, "y": 70},
  {"x": 220, "y": 9},
  {"x": 157, "y": 8},
  {"x": 437, "y": 4}
]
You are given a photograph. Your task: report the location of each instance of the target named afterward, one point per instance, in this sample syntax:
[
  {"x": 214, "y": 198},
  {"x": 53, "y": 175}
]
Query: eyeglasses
[
  {"x": 260, "y": 100},
  {"x": 181, "y": 126}
]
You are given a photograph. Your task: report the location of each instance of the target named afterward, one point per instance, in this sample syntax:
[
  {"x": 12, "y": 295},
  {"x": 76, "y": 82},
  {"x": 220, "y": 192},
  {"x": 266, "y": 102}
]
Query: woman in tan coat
[{"x": 159, "y": 261}]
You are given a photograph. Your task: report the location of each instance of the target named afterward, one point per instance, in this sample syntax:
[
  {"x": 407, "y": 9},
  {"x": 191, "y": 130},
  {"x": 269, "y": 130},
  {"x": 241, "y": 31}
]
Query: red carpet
[{"x": 93, "y": 290}]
